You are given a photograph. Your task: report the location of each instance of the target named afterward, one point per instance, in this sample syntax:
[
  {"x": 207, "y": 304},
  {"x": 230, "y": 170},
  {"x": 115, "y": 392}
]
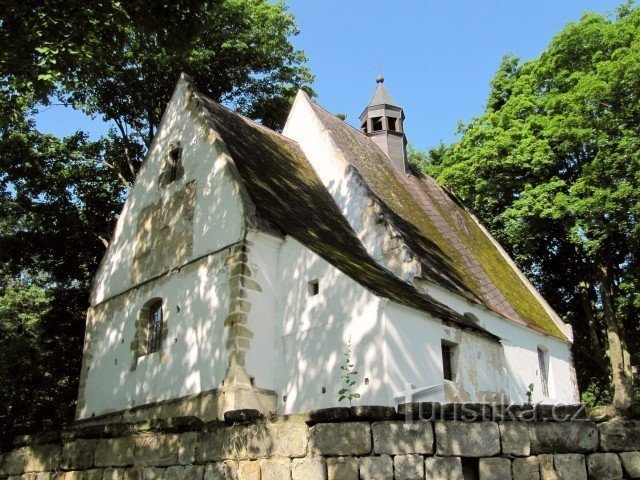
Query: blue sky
[{"x": 437, "y": 57}]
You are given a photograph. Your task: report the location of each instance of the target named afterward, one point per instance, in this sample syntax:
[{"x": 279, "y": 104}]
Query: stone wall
[{"x": 338, "y": 443}]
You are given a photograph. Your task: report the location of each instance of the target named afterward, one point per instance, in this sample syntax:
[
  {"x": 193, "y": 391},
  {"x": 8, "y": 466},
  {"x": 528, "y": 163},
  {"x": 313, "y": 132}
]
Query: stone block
[
  {"x": 513, "y": 413},
  {"x": 187, "y": 448},
  {"x": 547, "y": 470},
  {"x": 494, "y": 469},
  {"x": 152, "y": 473},
  {"x": 604, "y": 466},
  {"x": 227, "y": 470},
  {"x": 93, "y": 474},
  {"x": 38, "y": 458},
  {"x": 113, "y": 474},
  {"x": 480, "y": 439},
  {"x": 525, "y": 468},
  {"x": 514, "y": 437},
  {"x": 443, "y": 468},
  {"x": 133, "y": 473},
  {"x": 242, "y": 415},
  {"x": 32, "y": 476},
  {"x": 249, "y": 470},
  {"x": 428, "y": 411},
  {"x": 275, "y": 468},
  {"x": 350, "y": 438},
  {"x": 156, "y": 450},
  {"x": 77, "y": 455},
  {"x": 566, "y": 437},
  {"x": 570, "y": 466},
  {"x": 193, "y": 472},
  {"x": 310, "y": 468},
  {"x": 259, "y": 440},
  {"x": 408, "y": 467},
  {"x": 375, "y": 468},
  {"x": 372, "y": 413},
  {"x": 327, "y": 415},
  {"x": 560, "y": 413},
  {"x": 398, "y": 437},
  {"x": 47, "y": 475},
  {"x": 174, "y": 473},
  {"x": 114, "y": 452},
  {"x": 631, "y": 463},
  {"x": 342, "y": 468},
  {"x": 617, "y": 437},
  {"x": 467, "y": 412},
  {"x": 12, "y": 463}
]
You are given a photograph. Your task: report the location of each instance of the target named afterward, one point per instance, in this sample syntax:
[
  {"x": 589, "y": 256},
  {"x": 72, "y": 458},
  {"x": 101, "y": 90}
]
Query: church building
[{"x": 245, "y": 262}]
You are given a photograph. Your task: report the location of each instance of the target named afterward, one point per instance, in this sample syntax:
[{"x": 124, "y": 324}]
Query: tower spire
[{"x": 382, "y": 121}]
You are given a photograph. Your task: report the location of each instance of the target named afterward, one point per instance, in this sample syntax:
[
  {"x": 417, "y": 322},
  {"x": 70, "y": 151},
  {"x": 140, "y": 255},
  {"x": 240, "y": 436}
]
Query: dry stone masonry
[{"x": 333, "y": 444}]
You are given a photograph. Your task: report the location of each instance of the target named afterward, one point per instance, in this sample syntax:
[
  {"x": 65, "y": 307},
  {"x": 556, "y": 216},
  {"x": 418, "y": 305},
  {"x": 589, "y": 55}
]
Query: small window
[
  {"x": 175, "y": 157},
  {"x": 314, "y": 287},
  {"x": 154, "y": 328},
  {"x": 363, "y": 127},
  {"x": 377, "y": 123},
  {"x": 542, "y": 365},
  {"x": 448, "y": 360},
  {"x": 392, "y": 123}
]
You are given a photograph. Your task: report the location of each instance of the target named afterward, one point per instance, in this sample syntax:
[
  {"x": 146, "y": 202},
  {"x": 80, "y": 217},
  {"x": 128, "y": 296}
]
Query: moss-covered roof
[
  {"x": 455, "y": 251},
  {"x": 288, "y": 194}
]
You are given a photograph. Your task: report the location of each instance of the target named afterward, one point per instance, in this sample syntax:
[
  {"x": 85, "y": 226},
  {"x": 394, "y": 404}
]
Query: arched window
[
  {"x": 151, "y": 327},
  {"x": 154, "y": 328}
]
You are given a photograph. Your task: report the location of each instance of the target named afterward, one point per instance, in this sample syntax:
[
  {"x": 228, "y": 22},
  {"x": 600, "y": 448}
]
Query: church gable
[{"x": 184, "y": 204}]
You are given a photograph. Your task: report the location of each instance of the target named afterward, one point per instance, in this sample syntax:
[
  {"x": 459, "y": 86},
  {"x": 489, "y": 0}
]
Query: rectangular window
[
  {"x": 448, "y": 356},
  {"x": 363, "y": 127},
  {"x": 154, "y": 339},
  {"x": 392, "y": 123},
  {"x": 174, "y": 163},
  {"x": 314, "y": 287},
  {"x": 377, "y": 123},
  {"x": 542, "y": 364}
]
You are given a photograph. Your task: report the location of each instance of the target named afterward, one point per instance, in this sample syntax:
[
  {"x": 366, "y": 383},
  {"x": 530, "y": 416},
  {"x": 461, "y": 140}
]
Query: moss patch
[
  {"x": 288, "y": 194},
  {"x": 456, "y": 253}
]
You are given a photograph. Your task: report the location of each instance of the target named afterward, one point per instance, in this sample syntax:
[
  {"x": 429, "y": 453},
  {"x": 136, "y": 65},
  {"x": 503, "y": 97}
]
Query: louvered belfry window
[{"x": 154, "y": 339}]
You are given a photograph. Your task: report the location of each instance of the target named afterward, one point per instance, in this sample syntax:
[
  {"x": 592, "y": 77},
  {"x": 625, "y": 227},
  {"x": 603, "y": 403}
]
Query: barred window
[{"x": 154, "y": 328}]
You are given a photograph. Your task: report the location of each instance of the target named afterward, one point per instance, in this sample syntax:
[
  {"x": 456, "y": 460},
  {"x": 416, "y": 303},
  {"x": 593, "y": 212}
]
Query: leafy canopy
[
  {"x": 60, "y": 197},
  {"x": 552, "y": 166}
]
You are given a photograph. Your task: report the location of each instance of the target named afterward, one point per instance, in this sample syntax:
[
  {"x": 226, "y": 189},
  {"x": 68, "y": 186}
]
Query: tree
[
  {"x": 119, "y": 61},
  {"x": 553, "y": 168}
]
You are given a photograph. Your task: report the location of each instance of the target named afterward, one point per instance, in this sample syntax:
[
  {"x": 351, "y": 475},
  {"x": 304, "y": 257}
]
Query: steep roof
[
  {"x": 456, "y": 252},
  {"x": 288, "y": 195}
]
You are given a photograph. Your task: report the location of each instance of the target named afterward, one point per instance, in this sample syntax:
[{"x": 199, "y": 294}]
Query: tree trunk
[
  {"x": 617, "y": 351},
  {"x": 592, "y": 328}
]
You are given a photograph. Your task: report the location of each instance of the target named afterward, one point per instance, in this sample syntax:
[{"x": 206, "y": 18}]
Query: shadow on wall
[{"x": 167, "y": 227}]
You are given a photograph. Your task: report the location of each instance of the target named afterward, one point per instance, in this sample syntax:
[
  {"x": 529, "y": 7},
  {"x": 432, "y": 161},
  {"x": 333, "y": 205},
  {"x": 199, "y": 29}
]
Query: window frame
[
  {"x": 543, "y": 368},
  {"x": 154, "y": 327},
  {"x": 449, "y": 360}
]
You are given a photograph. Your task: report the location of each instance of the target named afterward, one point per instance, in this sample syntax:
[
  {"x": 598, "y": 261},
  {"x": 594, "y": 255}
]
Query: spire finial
[{"x": 379, "y": 79}]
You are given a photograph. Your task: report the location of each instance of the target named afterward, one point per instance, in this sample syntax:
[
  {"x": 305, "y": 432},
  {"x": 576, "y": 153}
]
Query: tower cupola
[{"x": 382, "y": 121}]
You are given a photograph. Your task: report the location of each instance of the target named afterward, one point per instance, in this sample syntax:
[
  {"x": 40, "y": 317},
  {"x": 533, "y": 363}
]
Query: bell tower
[{"x": 382, "y": 121}]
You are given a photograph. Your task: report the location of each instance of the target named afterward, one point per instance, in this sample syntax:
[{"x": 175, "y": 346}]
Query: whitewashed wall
[
  {"x": 218, "y": 219},
  {"x": 393, "y": 346},
  {"x": 193, "y": 357},
  {"x": 520, "y": 343},
  {"x": 521, "y": 352},
  {"x": 316, "y": 330}
]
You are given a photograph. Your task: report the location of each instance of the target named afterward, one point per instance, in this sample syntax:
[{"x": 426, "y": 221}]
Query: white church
[{"x": 245, "y": 261}]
